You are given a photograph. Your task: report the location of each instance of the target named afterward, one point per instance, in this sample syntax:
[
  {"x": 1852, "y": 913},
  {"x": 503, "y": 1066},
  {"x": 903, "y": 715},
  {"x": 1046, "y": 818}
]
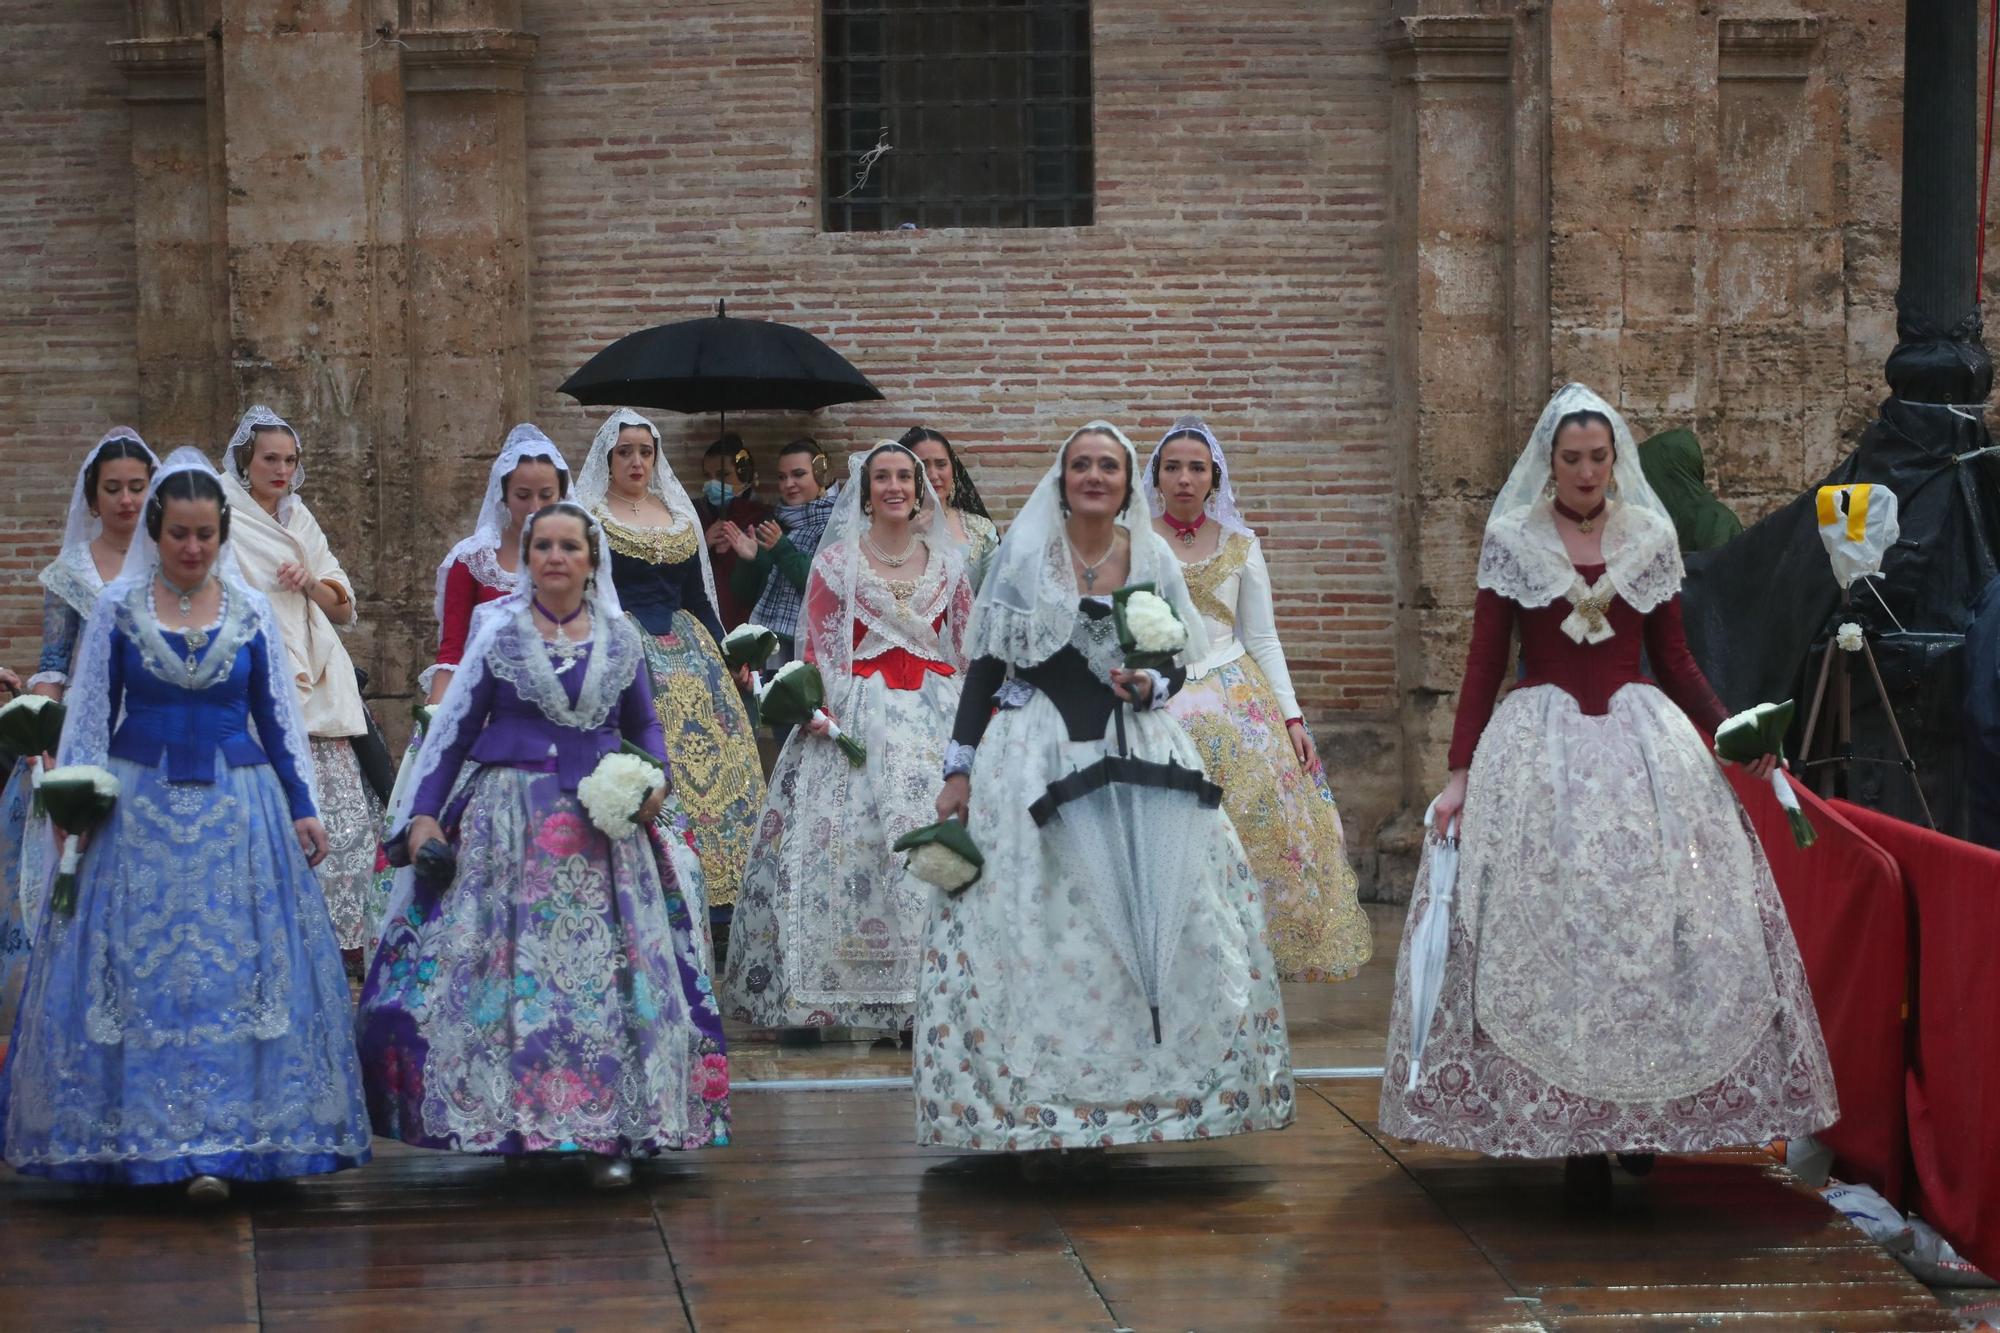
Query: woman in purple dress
[{"x": 552, "y": 998}]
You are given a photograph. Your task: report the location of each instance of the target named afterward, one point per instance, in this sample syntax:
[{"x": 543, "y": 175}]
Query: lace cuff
[
  {"x": 1161, "y": 691},
  {"x": 958, "y": 758},
  {"x": 46, "y": 678}
]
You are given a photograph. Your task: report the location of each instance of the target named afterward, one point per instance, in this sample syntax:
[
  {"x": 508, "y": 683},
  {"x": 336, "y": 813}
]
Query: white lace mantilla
[{"x": 1523, "y": 558}]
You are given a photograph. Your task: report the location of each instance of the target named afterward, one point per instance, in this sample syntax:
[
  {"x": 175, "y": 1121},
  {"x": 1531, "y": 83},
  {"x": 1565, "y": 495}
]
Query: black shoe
[
  {"x": 1587, "y": 1181},
  {"x": 1636, "y": 1163}
]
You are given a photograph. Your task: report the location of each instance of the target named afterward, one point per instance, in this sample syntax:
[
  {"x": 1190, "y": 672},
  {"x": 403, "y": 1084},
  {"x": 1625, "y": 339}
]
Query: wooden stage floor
[{"x": 824, "y": 1215}]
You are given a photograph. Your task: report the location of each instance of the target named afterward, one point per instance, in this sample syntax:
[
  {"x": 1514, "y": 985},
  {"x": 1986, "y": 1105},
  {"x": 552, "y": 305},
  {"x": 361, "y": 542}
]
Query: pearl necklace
[{"x": 896, "y": 561}]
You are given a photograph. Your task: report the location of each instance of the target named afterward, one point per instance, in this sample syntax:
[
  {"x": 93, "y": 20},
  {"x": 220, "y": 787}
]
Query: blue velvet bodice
[{"x": 165, "y": 723}]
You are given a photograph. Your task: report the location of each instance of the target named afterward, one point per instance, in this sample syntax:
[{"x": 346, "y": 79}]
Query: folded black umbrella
[{"x": 720, "y": 364}]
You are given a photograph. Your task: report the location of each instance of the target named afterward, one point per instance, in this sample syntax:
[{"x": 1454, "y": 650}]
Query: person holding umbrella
[
  {"x": 660, "y": 566},
  {"x": 1106, "y": 980},
  {"x": 729, "y": 498},
  {"x": 1619, "y": 976},
  {"x": 774, "y": 558}
]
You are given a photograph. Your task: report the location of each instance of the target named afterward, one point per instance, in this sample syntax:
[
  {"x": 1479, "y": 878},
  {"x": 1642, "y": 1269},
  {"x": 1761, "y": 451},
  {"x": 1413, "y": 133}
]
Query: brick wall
[{"x": 68, "y": 366}]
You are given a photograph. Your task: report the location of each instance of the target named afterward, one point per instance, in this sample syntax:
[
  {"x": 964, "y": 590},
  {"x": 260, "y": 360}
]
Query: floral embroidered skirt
[
  {"x": 1287, "y": 820},
  {"x": 1620, "y": 975},
  {"x": 830, "y": 927},
  {"x": 353, "y": 820},
  {"x": 191, "y": 1017},
  {"x": 1031, "y": 1031},
  {"x": 553, "y": 998},
  {"x": 718, "y": 778},
  {"x": 19, "y": 897}
]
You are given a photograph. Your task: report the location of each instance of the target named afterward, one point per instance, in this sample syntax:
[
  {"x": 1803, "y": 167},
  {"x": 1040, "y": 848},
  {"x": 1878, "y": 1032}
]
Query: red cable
[{"x": 1986, "y": 159}]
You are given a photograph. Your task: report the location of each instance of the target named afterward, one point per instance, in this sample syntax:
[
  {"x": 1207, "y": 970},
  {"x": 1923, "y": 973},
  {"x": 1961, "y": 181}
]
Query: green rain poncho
[{"x": 1672, "y": 463}]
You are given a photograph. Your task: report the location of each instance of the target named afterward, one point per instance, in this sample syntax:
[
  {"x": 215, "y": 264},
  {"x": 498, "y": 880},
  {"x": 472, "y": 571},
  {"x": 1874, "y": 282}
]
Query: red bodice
[
  {"x": 899, "y": 668},
  {"x": 462, "y": 595},
  {"x": 1590, "y": 673}
]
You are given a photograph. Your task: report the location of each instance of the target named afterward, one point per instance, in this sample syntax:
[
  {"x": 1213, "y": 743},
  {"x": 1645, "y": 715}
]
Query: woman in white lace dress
[
  {"x": 1621, "y": 976},
  {"x": 830, "y": 927},
  {"x": 1106, "y": 980}
]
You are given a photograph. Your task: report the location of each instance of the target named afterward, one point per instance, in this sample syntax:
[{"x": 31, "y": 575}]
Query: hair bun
[{"x": 1189, "y": 422}]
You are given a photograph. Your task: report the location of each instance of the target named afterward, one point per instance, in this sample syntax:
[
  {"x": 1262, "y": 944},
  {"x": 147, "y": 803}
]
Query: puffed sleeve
[
  {"x": 1257, "y": 627},
  {"x": 271, "y": 730},
  {"x": 823, "y": 605},
  {"x": 1485, "y": 667},
  {"x": 1680, "y": 676},
  {"x": 461, "y": 595}
]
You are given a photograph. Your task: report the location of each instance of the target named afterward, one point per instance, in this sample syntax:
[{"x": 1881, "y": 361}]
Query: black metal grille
[{"x": 985, "y": 106}]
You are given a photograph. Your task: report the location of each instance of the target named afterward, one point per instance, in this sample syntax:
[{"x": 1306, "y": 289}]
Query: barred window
[{"x": 956, "y": 113}]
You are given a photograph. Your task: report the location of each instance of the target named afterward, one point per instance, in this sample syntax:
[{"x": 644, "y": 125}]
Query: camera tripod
[{"x": 1842, "y": 743}]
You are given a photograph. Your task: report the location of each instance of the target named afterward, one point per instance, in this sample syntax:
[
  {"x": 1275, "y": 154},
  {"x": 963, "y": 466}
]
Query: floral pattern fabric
[
  {"x": 554, "y": 998},
  {"x": 1031, "y": 1034},
  {"x": 355, "y": 895},
  {"x": 1620, "y": 975},
  {"x": 830, "y": 927},
  {"x": 16, "y": 826},
  {"x": 718, "y": 776},
  {"x": 191, "y": 1017},
  {"x": 1287, "y": 820}
]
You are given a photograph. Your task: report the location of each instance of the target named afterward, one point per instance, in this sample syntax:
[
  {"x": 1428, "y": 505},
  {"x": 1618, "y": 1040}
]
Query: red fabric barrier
[
  {"x": 1851, "y": 914},
  {"x": 1953, "y": 1088}
]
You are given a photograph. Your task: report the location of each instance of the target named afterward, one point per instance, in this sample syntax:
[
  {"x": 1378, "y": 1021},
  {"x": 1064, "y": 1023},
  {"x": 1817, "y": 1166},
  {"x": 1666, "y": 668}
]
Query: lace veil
[
  {"x": 1221, "y": 504},
  {"x": 505, "y": 642},
  {"x": 1027, "y": 605},
  {"x": 72, "y": 575},
  {"x": 842, "y": 592},
  {"x": 480, "y": 551},
  {"x": 232, "y": 466},
  {"x": 86, "y": 737},
  {"x": 595, "y": 484},
  {"x": 1522, "y": 557}
]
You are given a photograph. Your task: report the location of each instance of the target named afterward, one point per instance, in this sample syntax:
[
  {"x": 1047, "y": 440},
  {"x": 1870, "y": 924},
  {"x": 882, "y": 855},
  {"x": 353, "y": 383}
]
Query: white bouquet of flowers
[
  {"x": 618, "y": 787},
  {"x": 1754, "y": 733},
  {"x": 943, "y": 855},
  {"x": 795, "y": 697},
  {"x": 79, "y": 798},
  {"x": 1149, "y": 633}
]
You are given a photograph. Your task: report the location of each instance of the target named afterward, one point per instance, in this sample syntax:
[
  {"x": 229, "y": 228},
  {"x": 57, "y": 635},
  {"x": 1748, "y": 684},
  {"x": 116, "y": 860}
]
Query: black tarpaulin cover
[{"x": 1759, "y": 609}]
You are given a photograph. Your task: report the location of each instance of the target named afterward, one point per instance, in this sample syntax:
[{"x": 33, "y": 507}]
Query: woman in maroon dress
[{"x": 1620, "y": 976}]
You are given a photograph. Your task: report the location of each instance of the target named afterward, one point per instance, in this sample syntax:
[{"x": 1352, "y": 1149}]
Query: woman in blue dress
[
  {"x": 104, "y": 508},
  {"x": 188, "y": 1020},
  {"x": 660, "y": 565}
]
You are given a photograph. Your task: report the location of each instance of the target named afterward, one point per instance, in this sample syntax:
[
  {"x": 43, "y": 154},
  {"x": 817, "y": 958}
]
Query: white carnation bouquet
[
  {"x": 79, "y": 798},
  {"x": 1754, "y": 733},
  {"x": 795, "y": 697},
  {"x": 1149, "y": 633},
  {"x": 618, "y": 787},
  {"x": 943, "y": 855}
]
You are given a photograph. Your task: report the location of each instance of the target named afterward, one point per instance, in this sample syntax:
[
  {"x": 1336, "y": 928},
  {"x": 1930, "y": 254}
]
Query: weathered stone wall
[{"x": 1364, "y": 236}]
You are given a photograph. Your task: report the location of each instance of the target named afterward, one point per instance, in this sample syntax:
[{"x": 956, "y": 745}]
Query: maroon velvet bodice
[{"x": 1590, "y": 673}]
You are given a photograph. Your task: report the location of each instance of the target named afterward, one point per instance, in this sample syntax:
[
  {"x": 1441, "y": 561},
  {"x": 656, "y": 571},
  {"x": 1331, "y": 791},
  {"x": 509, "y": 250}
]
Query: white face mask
[{"x": 717, "y": 492}]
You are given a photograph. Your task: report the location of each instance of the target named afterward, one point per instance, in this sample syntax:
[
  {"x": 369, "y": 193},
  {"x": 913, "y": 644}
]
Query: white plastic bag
[{"x": 1430, "y": 939}]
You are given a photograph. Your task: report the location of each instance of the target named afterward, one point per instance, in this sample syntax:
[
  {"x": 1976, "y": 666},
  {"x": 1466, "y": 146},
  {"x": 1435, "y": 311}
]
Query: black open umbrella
[{"x": 720, "y": 364}]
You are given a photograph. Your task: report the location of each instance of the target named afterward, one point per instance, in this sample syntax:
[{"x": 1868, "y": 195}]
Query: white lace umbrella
[{"x": 1430, "y": 940}]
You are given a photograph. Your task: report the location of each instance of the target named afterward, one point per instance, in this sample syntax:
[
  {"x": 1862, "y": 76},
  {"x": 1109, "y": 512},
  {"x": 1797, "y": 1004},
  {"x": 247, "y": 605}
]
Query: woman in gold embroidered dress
[
  {"x": 659, "y": 564},
  {"x": 1239, "y": 708}
]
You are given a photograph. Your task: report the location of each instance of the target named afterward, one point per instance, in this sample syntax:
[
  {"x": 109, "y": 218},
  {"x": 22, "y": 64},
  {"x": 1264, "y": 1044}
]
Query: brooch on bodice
[{"x": 1590, "y": 620}]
